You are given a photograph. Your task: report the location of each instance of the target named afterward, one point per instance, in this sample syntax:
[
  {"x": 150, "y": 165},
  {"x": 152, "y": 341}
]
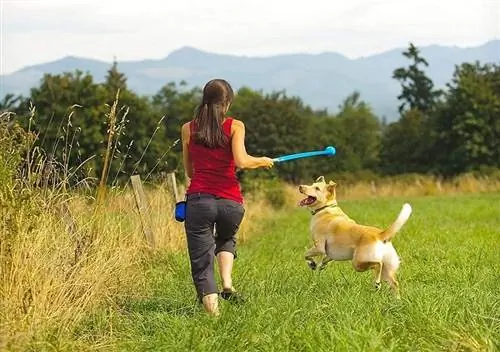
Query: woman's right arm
[{"x": 241, "y": 158}]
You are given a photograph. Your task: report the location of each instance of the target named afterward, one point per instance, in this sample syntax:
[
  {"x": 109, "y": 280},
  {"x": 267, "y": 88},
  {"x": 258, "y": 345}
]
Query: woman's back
[{"x": 214, "y": 168}]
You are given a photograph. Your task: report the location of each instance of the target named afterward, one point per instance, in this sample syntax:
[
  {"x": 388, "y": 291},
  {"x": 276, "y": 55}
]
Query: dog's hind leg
[
  {"x": 391, "y": 265},
  {"x": 370, "y": 257},
  {"x": 389, "y": 276},
  {"x": 310, "y": 254},
  {"x": 377, "y": 272},
  {"x": 375, "y": 266}
]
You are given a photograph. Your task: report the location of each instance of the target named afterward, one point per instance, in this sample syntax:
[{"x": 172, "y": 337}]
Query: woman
[{"x": 213, "y": 146}]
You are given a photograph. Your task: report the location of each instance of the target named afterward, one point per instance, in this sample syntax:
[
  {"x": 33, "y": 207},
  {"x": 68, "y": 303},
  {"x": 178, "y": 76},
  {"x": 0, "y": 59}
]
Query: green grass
[{"x": 450, "y": 282}]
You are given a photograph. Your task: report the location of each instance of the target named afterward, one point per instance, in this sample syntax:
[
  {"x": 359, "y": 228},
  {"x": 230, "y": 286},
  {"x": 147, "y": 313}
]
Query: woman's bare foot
[{"x": 211, "y": 304}]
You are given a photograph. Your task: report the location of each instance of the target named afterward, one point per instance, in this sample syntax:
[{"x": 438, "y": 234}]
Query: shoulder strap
[{"x": 227, "y": 125}]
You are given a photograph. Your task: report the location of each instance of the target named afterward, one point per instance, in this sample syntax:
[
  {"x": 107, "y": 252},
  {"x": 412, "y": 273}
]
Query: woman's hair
[{"x": 217, "y": 95}]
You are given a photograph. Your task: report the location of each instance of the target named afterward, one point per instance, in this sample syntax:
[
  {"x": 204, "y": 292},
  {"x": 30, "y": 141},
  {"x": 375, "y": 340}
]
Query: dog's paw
[
  {"x": 378, "y": 285},
  {"x": 312, "y": 265}
]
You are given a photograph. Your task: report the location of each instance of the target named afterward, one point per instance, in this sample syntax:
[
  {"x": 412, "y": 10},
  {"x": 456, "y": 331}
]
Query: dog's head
[{"x": 318, "y": 194}]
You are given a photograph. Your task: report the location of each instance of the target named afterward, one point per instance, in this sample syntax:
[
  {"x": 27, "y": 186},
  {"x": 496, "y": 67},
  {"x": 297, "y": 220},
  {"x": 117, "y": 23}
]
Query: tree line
[{"x": 443, "y": 132}]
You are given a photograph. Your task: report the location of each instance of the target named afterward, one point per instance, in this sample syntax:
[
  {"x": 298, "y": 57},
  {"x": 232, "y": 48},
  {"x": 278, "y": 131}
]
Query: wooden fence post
[
  {"x": 173, "y": 186},
  {"x": 142, "y": 206}
]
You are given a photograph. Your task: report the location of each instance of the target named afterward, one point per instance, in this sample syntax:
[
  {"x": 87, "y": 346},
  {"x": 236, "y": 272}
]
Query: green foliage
[
  {"x": 15, "y": 200},
  {"x": 9, "y": 103},
  {"x": 270, "y": 188},
  {"x": 404, "y": 145},
  {"x": 451, "y": 135},
  {"x": 13, "y": 143},
  {"x": 417, "y": 89},
  {"x": 139, "y": 147},
  {"x": 359, "y": 138},
  {"x": 178, "y": 105},
  {"x": 71, "y": 122},
  {"x": 467, "y": 127},
  {"x": 69, "y": 119}
]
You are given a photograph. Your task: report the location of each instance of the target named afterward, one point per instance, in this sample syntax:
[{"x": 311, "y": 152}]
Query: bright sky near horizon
[{"x": 37, "y": 31}]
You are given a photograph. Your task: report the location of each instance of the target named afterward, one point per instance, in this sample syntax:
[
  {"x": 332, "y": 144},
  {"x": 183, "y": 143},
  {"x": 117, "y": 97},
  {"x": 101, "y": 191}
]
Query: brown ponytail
[{"x": 217, "y": 95}]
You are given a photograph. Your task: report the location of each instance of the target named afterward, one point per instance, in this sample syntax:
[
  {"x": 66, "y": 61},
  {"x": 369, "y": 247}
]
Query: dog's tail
[{"x": 392, "y": 230}]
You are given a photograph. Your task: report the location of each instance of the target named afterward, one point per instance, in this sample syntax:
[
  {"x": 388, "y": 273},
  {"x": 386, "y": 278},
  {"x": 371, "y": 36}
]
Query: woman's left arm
[{"x": 185, "y": 136}]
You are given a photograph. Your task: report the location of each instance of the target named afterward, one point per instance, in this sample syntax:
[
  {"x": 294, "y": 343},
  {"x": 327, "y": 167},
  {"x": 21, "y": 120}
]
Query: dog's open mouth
[{"x": 307, "y": 201}]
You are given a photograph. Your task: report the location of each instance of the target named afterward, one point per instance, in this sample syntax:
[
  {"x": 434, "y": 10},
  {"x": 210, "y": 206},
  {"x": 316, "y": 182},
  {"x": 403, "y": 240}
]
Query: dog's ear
[
  {"x": 331, "y": 187},
  {"x": 320, "y": 179}
]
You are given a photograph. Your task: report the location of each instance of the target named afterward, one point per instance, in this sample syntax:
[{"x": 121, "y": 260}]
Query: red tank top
[{"x": 214, "y": 170}]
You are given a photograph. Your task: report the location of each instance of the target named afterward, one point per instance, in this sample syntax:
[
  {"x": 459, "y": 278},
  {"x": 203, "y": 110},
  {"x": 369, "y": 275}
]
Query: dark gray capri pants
[{"x": 204, "y": 214}]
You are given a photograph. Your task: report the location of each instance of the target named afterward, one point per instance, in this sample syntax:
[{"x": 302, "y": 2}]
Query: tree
[
  {"x": 140, "y": 145},
  {"x": 467, "y": 127},
  {"x": 9, "y": 103},
  {"x": 115, "y": 80},
  {"x": 406, "y": 144},
  {"x": 10, "y": 106},
  {"x": 359, "y": 140},
  {"x": 417, "y": 89},
  {"x": 70, "y": 119},
  {"x": 402, "y": 145},
  {"x": 178, "y": 105}
]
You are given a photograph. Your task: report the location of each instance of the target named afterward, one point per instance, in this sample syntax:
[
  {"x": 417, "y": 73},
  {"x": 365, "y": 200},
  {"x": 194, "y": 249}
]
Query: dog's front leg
[
  {"x": 310, "y": 254},
  {"x": 326, "y": 259}
]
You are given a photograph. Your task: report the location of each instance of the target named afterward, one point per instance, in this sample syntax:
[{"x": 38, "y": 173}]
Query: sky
[{"x": 37, "y": 31}]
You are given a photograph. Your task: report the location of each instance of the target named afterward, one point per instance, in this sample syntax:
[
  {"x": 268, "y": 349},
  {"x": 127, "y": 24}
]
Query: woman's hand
[{"x": 266, "y": 162}]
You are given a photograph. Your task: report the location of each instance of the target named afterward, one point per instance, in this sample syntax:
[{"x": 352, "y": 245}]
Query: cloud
[
  {"x": 38, "y": 31},
  {"x": 50, "y": 18}
]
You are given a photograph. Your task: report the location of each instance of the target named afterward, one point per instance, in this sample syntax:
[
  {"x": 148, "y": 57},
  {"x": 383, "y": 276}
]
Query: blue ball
[{"x": 330, "y": 150}]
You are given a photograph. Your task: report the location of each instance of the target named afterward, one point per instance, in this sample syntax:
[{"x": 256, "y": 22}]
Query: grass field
[{"x": 450, "y": 282}]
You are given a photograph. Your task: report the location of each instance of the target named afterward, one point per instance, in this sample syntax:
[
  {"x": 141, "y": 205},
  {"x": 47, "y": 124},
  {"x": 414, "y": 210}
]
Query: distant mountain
[{"x": 321, "y": 80}]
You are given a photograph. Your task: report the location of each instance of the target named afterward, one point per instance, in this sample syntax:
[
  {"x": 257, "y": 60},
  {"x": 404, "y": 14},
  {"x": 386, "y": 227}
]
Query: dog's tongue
[{"x": 307, "y": 201}]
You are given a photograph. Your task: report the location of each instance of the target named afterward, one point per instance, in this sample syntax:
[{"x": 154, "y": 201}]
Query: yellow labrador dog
[{"x": 338, "y": 237}]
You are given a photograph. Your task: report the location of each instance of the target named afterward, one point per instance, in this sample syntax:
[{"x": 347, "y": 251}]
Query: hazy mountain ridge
[{"x": 321, "y": 80}]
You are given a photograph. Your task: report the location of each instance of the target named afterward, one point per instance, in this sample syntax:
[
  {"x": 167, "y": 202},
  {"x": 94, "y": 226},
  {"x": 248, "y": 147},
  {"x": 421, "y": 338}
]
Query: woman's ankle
[{"x": 227, "y": 286}]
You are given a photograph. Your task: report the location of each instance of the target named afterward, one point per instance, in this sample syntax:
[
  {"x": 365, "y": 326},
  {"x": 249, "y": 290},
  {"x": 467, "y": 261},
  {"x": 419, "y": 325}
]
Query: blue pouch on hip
[{"x": 180, "y": 211}]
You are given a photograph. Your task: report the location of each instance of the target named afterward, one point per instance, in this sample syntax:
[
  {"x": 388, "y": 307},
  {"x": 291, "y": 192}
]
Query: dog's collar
[{"x": 314, "y": 212}]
